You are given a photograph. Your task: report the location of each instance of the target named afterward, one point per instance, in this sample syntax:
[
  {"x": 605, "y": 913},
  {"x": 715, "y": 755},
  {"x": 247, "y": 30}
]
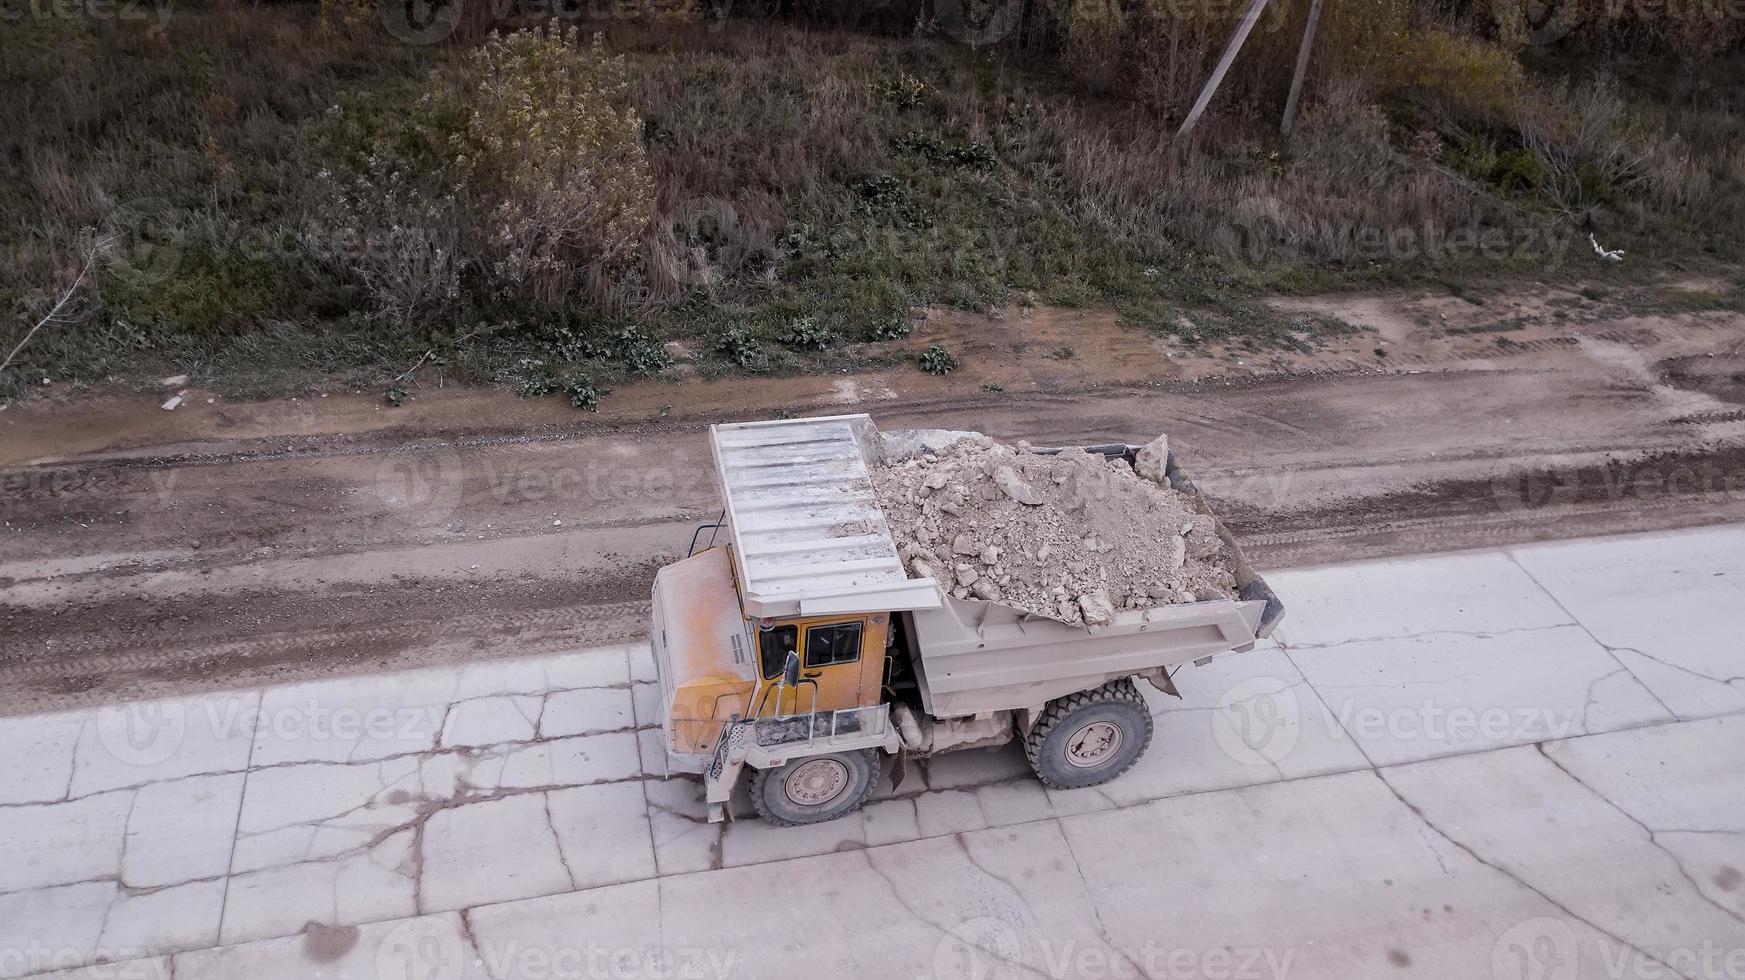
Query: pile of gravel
[{"x": 1071, "y": 535}]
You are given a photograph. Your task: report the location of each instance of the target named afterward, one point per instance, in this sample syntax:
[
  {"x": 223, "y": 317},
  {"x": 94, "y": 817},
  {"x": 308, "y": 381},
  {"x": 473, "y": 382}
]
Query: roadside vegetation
[{"x": 282, "y": 196}]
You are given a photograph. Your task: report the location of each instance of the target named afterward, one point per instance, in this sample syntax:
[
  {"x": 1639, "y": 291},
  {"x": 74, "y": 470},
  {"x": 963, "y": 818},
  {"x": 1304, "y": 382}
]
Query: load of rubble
[{"x": 1068, "y": 535}]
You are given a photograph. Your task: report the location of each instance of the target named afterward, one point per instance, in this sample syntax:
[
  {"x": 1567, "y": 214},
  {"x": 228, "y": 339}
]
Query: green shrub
[
  {"x": 1518, "y": 171},
  {"x": 582, "y": 393},
  {"x": 937, "y": 150},
  {"x": 937, "y": 360},
  {"x": 737, "y": 344},
  {"x": 806, "y": 333},
  {"x": 894, "y": 326}
]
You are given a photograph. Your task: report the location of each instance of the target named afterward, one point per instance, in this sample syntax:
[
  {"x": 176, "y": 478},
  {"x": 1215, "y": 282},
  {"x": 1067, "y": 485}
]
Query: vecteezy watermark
[
  {"x": 991, "y": 948},
  {"x": 429, "y": 483},
  {"x": 435, "y": 949},
  {"x": 1436, "y": 243},
  {"x": 1429, "y": 721},
  {"x": 148, "y": 733},
  {"x": 1547, "y": 948},
  {"x": 1549, "y": 21},
  {"x": 98, "y": 964},
  {"x": 1646, "y": 481},
  {"x": 1257, "y": 721},
  {"x": 158, "y": 11}
]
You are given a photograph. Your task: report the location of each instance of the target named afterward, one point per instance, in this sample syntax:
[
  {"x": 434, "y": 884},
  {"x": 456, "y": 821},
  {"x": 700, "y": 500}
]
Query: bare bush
[
  {"x": 1580, "y": 138},
  {"x": 552, "y": 152},
  {"x": 522, "y": 170}
]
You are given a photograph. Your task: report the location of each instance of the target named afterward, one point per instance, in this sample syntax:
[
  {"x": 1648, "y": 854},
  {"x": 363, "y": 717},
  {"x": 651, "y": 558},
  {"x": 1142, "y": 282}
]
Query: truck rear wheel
[
  {"x": 1091, "y": 737},
  {"x": 815, "y": 788}
]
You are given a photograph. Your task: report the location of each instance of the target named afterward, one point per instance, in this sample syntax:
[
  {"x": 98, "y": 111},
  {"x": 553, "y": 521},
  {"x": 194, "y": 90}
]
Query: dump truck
[{"x": 793, "y": 643}]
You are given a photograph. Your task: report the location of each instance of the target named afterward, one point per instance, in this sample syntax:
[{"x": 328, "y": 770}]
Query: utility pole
[
  {"x": 1224, "y": 62},
  {"x": 1302, "y": 68}
]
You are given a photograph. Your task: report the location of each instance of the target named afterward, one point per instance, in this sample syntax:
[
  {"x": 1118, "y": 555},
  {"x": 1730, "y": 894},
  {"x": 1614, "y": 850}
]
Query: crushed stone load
[{"x": 1071, "y": 535}]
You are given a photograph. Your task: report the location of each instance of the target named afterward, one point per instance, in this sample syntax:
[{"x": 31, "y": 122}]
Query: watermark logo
[
  {"x": 421, "y": 949},
  {"x": 423, "y": 483},
  {"x": 1537, "y": 949},
  {"x": 983, "y": 948},
  {"x": 144, "y": 733},
  {"x": 151, "y": 252},
  {"x": 1257, "y": 721},
  {"x": 421, "y": 21}
]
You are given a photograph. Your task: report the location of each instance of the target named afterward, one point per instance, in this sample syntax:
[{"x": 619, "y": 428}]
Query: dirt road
[{"x": 145, "y": 551}]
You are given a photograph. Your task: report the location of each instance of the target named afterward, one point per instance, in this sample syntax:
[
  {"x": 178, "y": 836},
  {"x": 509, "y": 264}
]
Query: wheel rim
[
  {"x": 816, "y": 782},
  {"x": 1094, "y": 744}
]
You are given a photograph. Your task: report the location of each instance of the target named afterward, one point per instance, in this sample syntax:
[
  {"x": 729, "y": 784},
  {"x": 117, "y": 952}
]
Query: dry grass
[{"x": 802, "y": 176}]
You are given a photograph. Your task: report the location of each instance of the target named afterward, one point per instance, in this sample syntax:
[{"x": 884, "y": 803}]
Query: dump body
[{"x": 975, "y": 656}]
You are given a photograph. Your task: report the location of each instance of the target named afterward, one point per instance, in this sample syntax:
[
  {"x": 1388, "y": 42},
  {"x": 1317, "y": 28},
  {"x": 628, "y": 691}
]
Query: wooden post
[
  {"x": 1224, "y": 62},
  {"x": 1302, "y": 68}
]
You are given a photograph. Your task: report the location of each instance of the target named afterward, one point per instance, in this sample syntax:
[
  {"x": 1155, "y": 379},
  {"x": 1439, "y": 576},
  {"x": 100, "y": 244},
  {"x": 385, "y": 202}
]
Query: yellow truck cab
[{"x": 799, "y": 647}]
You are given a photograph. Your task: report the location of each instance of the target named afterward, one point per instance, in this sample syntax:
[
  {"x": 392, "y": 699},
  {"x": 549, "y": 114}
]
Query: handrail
[{"x": 719, "y": 523}]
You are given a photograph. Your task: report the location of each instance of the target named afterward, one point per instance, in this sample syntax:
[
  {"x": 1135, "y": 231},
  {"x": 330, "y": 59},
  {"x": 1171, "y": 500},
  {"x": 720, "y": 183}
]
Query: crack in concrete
[
  {"x": 1651, "y": 834},
  {"x": 1612, "y": 651},
  {"x": 1472, "y": 634},
  {"x": 1096, "y": 910},
  {"x": 557, "y": 842},
  {"x": 1471, "y": 852},
  {"x": 944, "y": 933}
]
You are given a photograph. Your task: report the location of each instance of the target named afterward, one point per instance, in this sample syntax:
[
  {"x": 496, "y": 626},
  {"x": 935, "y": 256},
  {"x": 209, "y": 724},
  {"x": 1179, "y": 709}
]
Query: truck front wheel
[
  {"x": 1091, "y": 737},
  {"x": 815, "y": 788}
]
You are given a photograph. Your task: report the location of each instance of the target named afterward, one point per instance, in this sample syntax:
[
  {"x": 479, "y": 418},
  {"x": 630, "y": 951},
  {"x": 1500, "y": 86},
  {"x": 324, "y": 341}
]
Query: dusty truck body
[{"x": 793, "y": 643}]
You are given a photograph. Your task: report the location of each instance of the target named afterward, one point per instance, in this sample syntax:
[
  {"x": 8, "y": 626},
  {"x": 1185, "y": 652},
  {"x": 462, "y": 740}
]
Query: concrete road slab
[
  {"x": 1473, "y": 593},
  {"x": 1417, "y": 697},
  {"x": 1666, "y": 605}
]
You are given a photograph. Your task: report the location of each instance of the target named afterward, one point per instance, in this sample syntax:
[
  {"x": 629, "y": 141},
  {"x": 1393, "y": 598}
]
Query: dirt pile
[{"x": 1071, "y": 535}]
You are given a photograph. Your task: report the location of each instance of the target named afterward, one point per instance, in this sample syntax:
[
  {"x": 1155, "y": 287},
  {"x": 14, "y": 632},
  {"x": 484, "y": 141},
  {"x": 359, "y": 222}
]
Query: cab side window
[
  {"x": 774, "y": 645},
  {"x": 838, "y": 643}
]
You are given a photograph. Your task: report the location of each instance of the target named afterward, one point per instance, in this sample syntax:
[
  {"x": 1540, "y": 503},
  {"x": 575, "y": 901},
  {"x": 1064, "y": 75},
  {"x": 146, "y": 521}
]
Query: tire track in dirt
[{"x": 198, "y": 553}]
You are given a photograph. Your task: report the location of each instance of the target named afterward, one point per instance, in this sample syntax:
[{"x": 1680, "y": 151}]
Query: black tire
[
  {"x": 840, "y": 781},
  {"x": 1089, "y": 738}
]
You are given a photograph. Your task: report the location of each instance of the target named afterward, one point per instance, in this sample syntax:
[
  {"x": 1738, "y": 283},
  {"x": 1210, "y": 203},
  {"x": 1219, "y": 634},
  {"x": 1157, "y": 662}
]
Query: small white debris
[
  {"x": 174, "y": 381},
  {"x": 557, "y": 523},
  {"x": 174, "y": 403}
]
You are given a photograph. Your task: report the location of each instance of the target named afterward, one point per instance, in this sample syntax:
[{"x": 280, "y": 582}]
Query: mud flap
[
  {"x": 899, "y": 769},
  {"x": 1161, "y": 680}
]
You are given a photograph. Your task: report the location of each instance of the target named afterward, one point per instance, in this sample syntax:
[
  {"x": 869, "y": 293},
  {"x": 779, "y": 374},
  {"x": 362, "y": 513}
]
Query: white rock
[
  {"x": 1152, "y": 459},
  {"x": 1096, "y": 608},
  {"x": 1006, "y": 478}
]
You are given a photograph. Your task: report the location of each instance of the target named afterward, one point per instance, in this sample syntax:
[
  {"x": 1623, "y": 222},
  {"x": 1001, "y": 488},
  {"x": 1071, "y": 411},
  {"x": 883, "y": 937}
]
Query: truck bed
[{"x": 974, "y": 656}]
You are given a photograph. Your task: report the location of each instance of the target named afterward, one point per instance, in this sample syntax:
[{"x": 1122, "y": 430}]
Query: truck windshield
[{"x": 774, "y": 646}]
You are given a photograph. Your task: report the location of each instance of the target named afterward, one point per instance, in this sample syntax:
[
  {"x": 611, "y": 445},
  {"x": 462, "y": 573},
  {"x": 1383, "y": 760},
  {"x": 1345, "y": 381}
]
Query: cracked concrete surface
[{"x": 1520, "y": 764}]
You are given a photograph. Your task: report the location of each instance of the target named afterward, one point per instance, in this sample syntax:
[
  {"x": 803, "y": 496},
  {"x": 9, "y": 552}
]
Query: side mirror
[{"x": 791, "y": 670}]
